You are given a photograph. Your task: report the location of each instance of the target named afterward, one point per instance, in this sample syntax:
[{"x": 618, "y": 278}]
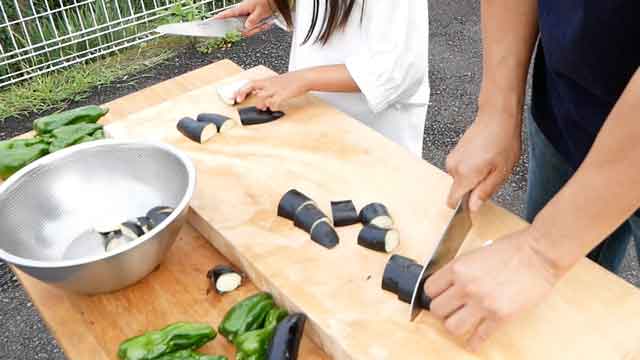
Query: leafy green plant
[
  {"x": 55, "y": 89},
  {"x": 183, "y": 11},
  {"x": 209, "y": 46}
]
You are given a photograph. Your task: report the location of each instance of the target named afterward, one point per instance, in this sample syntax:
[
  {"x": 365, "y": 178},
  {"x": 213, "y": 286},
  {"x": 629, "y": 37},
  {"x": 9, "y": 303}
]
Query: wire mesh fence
[{"x": 38, "y": 36}]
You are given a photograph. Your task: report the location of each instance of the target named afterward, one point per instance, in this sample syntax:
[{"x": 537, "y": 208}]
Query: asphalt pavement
[{"x": 455, "y": 70}]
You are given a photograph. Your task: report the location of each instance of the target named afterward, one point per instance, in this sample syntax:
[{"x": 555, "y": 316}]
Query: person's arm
[
  {"x": 391, "y": 66},
  {"x": 603, "y": 193},
  {"x": 477, "y": 292},
  {"x": 487, "y": 153},
  {"x": 273, "y": 92}
]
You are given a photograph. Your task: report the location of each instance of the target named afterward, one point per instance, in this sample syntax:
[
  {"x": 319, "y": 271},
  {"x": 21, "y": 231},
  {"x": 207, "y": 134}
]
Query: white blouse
[{"x": 386, "y": 54}]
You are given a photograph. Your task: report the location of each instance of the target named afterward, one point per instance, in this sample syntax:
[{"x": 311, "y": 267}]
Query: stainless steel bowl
[{"x": 49, "y": 208}]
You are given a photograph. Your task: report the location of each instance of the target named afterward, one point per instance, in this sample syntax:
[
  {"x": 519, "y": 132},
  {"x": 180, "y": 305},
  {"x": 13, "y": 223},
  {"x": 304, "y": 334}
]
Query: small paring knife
[
  {"x": 450, "y": 243},
  {"x": 217, "y": 27}
]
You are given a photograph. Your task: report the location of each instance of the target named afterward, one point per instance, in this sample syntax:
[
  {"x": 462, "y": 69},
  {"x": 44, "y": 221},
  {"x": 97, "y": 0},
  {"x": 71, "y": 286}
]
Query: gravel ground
[{"x": 455, "y": 61}]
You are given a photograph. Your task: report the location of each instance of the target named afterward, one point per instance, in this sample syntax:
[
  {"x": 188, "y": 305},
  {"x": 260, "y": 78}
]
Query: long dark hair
[{"x": 335, "y": 17}]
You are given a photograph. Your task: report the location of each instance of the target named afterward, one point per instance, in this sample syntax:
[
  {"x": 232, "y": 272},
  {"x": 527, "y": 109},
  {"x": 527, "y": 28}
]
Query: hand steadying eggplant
[
  {"x": 400, "y": 277},
  {"x": 285, "y": 343},
  {"x": 253, "y": 116},
  {"x": 376, "y": 214},
  {"x": 291, "y": 202},
  {"x": 378, "y": 239},
  {"x": 222, "y": 123},
  {"x": 200, "y": 132},
  {"x": 227, "y": 91},
  {"x": 224, "y": 279},
  {"x": 344, "y": 213}
]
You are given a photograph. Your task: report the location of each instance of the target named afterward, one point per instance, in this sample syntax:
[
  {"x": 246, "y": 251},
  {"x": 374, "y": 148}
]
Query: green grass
[{"x": 54, "y": 90}]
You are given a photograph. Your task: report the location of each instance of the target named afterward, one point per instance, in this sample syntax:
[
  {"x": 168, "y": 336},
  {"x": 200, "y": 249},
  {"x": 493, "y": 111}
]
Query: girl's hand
[
  {"x": 255, "y": 9},
  {"x": 271, "y": 93}
]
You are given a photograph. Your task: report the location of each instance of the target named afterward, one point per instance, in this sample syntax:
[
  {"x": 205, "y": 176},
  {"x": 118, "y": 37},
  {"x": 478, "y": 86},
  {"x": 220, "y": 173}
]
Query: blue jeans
[{"x": 548, "y": 172}]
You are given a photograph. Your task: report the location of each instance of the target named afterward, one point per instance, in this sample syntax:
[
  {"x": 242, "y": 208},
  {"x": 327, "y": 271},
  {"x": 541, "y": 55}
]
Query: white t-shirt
[{"x": 387, "y": 56}]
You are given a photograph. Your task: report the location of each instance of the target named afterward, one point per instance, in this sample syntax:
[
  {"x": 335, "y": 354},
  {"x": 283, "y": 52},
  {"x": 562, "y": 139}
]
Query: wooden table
[{"x": 590, "y": 315}]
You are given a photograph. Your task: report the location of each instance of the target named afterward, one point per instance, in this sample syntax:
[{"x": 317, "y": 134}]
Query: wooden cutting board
[
  {"x": 92, "y": 327},
  {"x": 243, "y": 173}
]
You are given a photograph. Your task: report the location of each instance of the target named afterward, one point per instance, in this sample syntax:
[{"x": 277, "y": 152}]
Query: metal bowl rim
[{"x": 184, "y": 202}]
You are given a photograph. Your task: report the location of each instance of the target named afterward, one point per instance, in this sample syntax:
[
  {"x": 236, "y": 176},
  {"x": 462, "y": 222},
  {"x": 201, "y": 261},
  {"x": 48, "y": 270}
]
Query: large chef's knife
[
  {"x": 447, "y": 248},
  {"x": 216, "y": 27}
]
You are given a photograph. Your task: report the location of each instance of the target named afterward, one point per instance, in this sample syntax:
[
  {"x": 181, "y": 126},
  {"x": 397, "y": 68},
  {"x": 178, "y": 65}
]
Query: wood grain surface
[
  {"x": 243, "y": 173},
  {"x": 92, "y": 327}
]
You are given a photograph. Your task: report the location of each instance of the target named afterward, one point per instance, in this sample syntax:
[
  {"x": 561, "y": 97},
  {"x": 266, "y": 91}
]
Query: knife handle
[{"x": 424, "y": 301}]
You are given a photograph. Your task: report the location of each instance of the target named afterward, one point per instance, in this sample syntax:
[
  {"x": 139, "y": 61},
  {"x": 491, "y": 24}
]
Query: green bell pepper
[
  {"x": 18, "y": 153},
  {"x": 190, "y": 355},
  {"x": 274, "y": 317},
  {"x": 71, "y": 135},
  {"x": 154, "y": 344},
  {"x": 247, "y": 315},
  {"x": 82, "y": 115},
  {"x": 97, "y": 135},
  {"x": 253, "y": 345}
]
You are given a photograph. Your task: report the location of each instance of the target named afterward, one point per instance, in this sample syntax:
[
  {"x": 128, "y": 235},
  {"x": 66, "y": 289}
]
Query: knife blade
[
  {"x": 447, "y": 248},
  {"x": 216, "y": 27}
]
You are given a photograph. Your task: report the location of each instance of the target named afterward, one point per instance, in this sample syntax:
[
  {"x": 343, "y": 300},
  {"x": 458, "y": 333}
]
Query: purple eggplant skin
[
  {"x": 216, "y": 272},
  {"x": 400, "y": 277},
  {"x": 396, "y": 267},
  {"x": 291, "y": 201},
  {"x": 372, "y": 212},
  {"x": 307, "y": 216},
  {"x": 344, "y": 213},
  {"x": 191, "y": 129},
  {"x": 372, "y": 238},
  {"x": 211, "y": 118},
  {"x": 253, "y": 116},
  {"x": 158, "y": 214},
  {"x": 325, "y": 235},
  {"x": 285, "y": 343}
]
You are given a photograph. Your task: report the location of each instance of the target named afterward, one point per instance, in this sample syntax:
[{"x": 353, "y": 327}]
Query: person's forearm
[
  {"x": 330, "y": 78},
  {"x": 603, "y": 192},
  {"x": 509, "y": 32}
]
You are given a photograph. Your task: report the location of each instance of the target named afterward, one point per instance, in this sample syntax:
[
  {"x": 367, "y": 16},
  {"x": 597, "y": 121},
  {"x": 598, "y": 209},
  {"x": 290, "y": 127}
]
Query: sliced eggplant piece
[
  {"x": 396, "y": 267},
  {"x": 375, "y": 238},
  {"x": 308, "y": 216},
  {"x": 131, "y": 230},
  {"x": 158, "y": 214},
  {"x": 222, "y": 123},
  {"x": 291, "y": 202},
  {"x": 106, "y": 229},
  {"x": 376, "y": 214},
  {"x": 227, "y": 92},
  {"x": 145, "y": 223},
  {"x": 253, "y": 116},
  {"x": 324, "y": 234},
  {"x": 344, "y": 213},
  {"x": 224, "y": 279},
  {"x": 285, "y": 343},
  {"x": 115, "y": 241},
  {"x": 199, "y": 132},
  {"x": 400, "y": 277}
]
